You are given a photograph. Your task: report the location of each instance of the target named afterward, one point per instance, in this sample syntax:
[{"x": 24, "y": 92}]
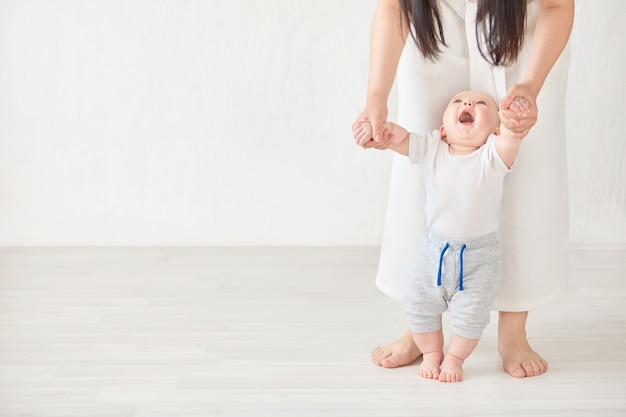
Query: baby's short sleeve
[{"x": 420, "y": 146}]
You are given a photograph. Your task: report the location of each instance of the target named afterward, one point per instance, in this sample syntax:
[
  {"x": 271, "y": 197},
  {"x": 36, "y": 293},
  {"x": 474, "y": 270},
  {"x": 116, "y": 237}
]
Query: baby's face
[{"x": 470, "y": 118}]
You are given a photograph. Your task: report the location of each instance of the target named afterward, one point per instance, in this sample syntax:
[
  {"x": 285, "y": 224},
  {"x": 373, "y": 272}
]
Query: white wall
[
  {"x": 216, "y": 122},
  {"x": 596, "y": 131}
]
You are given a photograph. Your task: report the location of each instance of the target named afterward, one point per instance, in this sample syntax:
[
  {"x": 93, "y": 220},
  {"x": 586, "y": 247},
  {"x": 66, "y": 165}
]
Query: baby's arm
[
  {"x": 507, "y": 146},
  {"x": 508, "y": 142},
  {"x": 399, "y": 137}
]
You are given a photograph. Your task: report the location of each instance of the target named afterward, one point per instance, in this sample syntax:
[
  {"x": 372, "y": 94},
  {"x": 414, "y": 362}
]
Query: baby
[{"x": 458, "y": 264}]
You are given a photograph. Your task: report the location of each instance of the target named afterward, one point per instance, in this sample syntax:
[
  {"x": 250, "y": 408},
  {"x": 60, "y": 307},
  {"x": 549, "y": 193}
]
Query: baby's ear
[{"x": 442, "y": 131}]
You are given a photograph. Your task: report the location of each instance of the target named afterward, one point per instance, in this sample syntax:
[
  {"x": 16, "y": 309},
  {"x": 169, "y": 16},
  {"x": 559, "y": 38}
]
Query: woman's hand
[
  {"x": 518, "y": 110},
  {"x": 376, "y": 115},
  {"x": 363, "y": 135}
]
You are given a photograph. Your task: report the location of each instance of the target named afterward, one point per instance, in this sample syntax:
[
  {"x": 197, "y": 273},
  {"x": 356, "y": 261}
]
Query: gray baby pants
[{"x": 464, "y": 275}]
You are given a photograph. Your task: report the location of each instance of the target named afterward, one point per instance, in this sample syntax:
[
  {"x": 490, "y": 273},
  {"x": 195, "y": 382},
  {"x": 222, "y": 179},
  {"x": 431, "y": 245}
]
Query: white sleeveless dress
[{"x": 534, "y": 221}]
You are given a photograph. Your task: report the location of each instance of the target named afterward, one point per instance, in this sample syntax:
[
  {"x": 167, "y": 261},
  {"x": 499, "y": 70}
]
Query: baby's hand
[
  {"x": 364, "y": 136},
  {"x": 509, "y": 126},
  {"x": 520, "y": 106},
  {"x": 362, "y": 133}
]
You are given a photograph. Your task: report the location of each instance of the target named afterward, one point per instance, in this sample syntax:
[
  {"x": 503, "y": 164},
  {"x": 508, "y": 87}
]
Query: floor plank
[{"x": 155, "y": 332}]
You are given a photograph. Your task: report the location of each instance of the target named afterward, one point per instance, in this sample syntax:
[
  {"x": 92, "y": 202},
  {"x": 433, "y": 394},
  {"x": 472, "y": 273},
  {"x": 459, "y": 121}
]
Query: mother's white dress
[{"x": 534, "y": 219}]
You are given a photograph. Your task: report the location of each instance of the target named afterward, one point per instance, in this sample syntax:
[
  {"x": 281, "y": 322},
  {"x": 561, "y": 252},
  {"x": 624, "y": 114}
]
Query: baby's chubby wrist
[
  {"x": 396, "y": 133},
  {"x": 389, "y": 127}
]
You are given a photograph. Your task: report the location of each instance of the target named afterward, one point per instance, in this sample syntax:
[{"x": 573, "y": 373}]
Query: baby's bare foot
[
  {"x": 429, "y": 368},
  {"x": 398, "y": 353},
  {"x": 451, "y": 369}
]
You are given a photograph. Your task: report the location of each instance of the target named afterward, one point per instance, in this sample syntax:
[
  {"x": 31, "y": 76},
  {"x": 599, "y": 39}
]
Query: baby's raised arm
[
  {"x": 508, "y": 142},
  {"x": 399, "y": 137}
]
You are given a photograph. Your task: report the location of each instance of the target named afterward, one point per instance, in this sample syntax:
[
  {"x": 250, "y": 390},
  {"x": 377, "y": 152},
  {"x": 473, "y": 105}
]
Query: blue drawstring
[
  {"x": 443, "y": 251},
  {"x": 445, "y": 248},
  {"x": 461, "y": 267}
]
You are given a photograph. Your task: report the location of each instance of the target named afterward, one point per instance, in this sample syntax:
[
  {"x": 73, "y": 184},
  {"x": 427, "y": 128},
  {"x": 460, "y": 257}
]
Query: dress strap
[{"x": 483, "y": 76}]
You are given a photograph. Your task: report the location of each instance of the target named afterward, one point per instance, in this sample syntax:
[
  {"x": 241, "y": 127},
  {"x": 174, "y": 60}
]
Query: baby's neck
[{"x": 461, "y": 150}]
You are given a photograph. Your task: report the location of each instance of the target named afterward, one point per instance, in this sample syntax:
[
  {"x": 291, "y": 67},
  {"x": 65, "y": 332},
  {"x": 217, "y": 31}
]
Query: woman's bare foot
[
  {"x": 430, "y": 366},
  {"x": 401, "y": 352},
  {"x": 518, "y": 358},
  {"x": 451, "y": 369}
]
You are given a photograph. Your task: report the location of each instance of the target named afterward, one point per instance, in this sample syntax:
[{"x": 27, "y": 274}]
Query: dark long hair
[{"x": 500, "y": 25}]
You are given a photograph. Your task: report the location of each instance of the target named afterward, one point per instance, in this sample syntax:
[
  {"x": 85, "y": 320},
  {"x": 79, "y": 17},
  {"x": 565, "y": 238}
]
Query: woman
[{"x": 507, "y": 49}]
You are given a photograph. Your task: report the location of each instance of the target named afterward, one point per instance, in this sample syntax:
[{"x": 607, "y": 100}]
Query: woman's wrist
[
  {"x": 532, "y": 86},
  {"x": 377, "y": 99}
]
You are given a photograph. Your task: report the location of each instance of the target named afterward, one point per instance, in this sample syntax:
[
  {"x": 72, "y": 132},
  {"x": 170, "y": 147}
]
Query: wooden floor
[{"x": 156, "y": 332}]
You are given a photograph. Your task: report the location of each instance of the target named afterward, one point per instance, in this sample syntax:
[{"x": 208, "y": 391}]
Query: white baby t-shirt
[{"x": 463, "y": 192}]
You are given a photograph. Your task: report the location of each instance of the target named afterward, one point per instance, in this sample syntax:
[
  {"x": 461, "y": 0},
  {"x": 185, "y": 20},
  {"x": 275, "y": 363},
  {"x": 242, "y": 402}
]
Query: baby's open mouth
[{"x": 466, "y": 118}]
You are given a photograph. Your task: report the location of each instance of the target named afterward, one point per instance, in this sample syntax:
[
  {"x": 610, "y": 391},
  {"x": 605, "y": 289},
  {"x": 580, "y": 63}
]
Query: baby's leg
[
  {"x": 452, "y": 368},
  {"x": 431, "y": 345}
]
